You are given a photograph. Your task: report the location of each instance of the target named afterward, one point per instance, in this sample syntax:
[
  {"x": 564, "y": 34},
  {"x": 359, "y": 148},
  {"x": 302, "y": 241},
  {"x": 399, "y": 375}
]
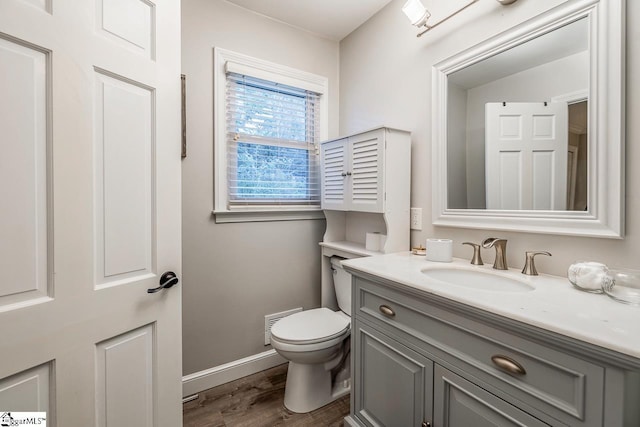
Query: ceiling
[
  {"x": 333, "y": 19},
  {"x": 559, "y": 43}
]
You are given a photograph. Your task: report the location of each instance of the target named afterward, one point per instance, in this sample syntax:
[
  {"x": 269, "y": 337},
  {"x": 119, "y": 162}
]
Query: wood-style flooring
[{"x": 257, "y": 401}]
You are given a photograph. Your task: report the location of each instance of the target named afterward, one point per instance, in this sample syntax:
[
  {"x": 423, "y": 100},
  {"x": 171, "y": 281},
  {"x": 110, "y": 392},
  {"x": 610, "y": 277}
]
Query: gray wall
[
  {"x": 234, "y": 274},
  {"x": 385, "y": 77}
]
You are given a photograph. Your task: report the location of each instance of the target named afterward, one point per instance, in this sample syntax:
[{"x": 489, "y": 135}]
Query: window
[
  {"x": 267, "y": 139},
  {"x": 271, "y": 143}
]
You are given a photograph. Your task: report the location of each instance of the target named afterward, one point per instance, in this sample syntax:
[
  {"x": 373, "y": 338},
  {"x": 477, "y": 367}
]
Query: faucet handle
[
  {"x": 477, "y": 258},
  {"x": 529, "y": 264}
]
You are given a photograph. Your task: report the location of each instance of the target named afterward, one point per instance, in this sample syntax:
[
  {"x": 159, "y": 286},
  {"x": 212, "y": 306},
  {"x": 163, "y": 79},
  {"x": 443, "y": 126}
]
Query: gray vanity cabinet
[
  {"x": 423, "y": 360},
  {"x": 400, "y": 387}
]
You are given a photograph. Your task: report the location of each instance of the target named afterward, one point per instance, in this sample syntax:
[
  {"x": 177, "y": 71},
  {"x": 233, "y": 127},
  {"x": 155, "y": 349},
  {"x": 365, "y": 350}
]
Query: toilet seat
[{"x": 311, "y": 327}]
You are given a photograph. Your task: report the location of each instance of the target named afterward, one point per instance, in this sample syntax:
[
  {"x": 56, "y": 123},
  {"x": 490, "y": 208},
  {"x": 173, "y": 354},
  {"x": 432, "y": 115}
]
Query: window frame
[{"x": 243, "y": 64}]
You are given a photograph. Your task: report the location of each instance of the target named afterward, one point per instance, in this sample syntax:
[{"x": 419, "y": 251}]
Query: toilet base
[{"x": 309, "y": 387}]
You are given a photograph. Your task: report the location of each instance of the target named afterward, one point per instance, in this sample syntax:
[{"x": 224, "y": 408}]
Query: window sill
[{"x": 222, "y": 217}]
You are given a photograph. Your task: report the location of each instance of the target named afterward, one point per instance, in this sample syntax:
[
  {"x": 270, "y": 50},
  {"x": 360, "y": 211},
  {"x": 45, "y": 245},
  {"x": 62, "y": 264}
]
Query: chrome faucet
[{"x": 500, "y": 262}]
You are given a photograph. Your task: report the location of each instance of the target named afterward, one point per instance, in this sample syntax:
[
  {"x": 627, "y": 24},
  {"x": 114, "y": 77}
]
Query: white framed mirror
[{"x": 528, "y": 126}]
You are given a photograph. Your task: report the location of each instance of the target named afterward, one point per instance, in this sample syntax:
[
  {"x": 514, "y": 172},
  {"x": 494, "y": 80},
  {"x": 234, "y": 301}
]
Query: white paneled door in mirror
[
  {"x": 526, "y": 155},
  {"x": 90, "y": 218}
]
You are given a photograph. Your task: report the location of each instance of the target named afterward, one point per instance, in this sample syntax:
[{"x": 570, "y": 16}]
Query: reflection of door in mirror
[
  {"x": 526, "y": 155},
  {"x": 577, "y": 160},
  {"x": 572, "y": 166}
]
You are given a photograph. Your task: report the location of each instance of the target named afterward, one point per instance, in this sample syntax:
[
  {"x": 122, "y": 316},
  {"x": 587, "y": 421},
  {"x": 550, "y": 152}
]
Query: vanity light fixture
[{"x": 419, "y": 15}]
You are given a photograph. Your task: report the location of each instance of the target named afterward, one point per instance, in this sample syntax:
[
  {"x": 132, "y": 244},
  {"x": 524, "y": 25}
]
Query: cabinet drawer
[
  {"x": 559, "y": 384},
  {"x": 459, "y": 403}
]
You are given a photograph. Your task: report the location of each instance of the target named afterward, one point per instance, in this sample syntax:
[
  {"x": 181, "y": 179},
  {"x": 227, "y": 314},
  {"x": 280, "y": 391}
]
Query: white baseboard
[
  {"x": 348, "y": 421},
  {"x": 212, "y": 377}
]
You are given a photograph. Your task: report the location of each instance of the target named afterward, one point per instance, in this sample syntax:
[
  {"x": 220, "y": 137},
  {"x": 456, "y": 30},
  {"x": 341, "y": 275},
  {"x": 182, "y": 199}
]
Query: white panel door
[
  {"x": 90, "y": 211},
  {"x": 526, "y": 155}
]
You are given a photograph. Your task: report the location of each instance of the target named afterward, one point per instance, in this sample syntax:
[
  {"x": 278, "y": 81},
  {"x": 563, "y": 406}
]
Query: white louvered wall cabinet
[
  {"x": 358, "y": 171},
  {"x": 365, "y": 187}
]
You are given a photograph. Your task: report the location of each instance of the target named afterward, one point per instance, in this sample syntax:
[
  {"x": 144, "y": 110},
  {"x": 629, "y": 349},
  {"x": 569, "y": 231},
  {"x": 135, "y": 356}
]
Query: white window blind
[{"x": 272, "y": 143}]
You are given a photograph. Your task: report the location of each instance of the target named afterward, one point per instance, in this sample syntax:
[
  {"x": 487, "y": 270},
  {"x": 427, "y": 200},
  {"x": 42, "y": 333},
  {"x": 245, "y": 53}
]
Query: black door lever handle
[{"x": 167, "y": 280}]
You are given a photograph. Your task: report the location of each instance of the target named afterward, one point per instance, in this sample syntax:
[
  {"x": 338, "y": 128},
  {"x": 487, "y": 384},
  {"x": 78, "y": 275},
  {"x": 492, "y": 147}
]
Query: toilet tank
[{"x": 341, "y": 284}]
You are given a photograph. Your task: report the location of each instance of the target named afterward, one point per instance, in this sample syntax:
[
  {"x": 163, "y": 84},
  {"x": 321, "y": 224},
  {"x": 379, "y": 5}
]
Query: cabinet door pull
[
  {"x": 426, "y": 424},
  {"x": 387, "y": 311},
  {"x": 507, "y": 364}
]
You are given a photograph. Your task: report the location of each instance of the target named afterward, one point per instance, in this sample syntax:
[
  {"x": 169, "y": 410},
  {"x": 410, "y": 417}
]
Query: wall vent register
[{"x": 271, "y": 319}]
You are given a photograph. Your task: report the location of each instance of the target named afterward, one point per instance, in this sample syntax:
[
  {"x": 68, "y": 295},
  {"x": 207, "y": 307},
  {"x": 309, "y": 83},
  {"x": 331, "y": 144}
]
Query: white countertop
[{"x": 554, "y": 304}]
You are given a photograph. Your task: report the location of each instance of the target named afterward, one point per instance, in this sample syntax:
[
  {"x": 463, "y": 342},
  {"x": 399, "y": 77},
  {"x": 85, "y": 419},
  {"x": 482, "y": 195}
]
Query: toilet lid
[{"x": 310, "y": 326}]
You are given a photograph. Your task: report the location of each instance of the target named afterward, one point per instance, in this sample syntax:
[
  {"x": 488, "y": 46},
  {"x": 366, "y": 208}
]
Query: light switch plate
[{"x": 416, "y": 219}]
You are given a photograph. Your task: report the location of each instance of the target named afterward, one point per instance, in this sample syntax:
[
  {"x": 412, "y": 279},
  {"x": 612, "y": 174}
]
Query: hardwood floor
[{"x": 257, "y": 401}]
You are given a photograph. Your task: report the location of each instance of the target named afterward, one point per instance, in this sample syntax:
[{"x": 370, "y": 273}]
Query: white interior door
[
  {"x": 526, "y": 155},
  {"x": 90, "y": 211}
]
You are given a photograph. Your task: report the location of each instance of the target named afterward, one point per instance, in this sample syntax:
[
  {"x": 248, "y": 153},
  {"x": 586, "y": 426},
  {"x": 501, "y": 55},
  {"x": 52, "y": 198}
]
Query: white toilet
[{"x": 316, "y": 343}]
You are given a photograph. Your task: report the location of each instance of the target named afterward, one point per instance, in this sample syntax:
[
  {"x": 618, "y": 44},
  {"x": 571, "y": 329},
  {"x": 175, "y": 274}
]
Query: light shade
[{"x": 416, "y": 12}]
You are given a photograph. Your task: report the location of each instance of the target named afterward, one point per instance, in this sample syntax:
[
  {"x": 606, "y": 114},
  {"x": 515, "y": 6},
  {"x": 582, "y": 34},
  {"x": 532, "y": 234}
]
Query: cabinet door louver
[
  {"x": 366, "y": 169},
  {"x": 333, "y": 180}
]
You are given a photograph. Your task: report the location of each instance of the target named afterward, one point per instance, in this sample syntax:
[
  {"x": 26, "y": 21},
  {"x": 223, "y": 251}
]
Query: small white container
[
  {"x": 383, "y": 241},
  {"x": 372, "y": 242},
  {"x": 587, "y": 276},
  {"x": 439, "y": 250}
]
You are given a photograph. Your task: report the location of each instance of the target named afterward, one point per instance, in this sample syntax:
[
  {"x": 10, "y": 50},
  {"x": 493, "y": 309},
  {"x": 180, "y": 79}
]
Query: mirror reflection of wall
[{"x": 552, "y": 67}]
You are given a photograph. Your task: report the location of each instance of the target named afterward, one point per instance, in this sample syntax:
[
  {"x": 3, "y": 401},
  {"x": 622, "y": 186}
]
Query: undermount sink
[{"x": 477, "y": 279}]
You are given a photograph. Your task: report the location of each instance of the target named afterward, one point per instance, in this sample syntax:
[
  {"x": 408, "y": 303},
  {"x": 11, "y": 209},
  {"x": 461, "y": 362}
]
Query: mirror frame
[{"x": 606, "y": 126}]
